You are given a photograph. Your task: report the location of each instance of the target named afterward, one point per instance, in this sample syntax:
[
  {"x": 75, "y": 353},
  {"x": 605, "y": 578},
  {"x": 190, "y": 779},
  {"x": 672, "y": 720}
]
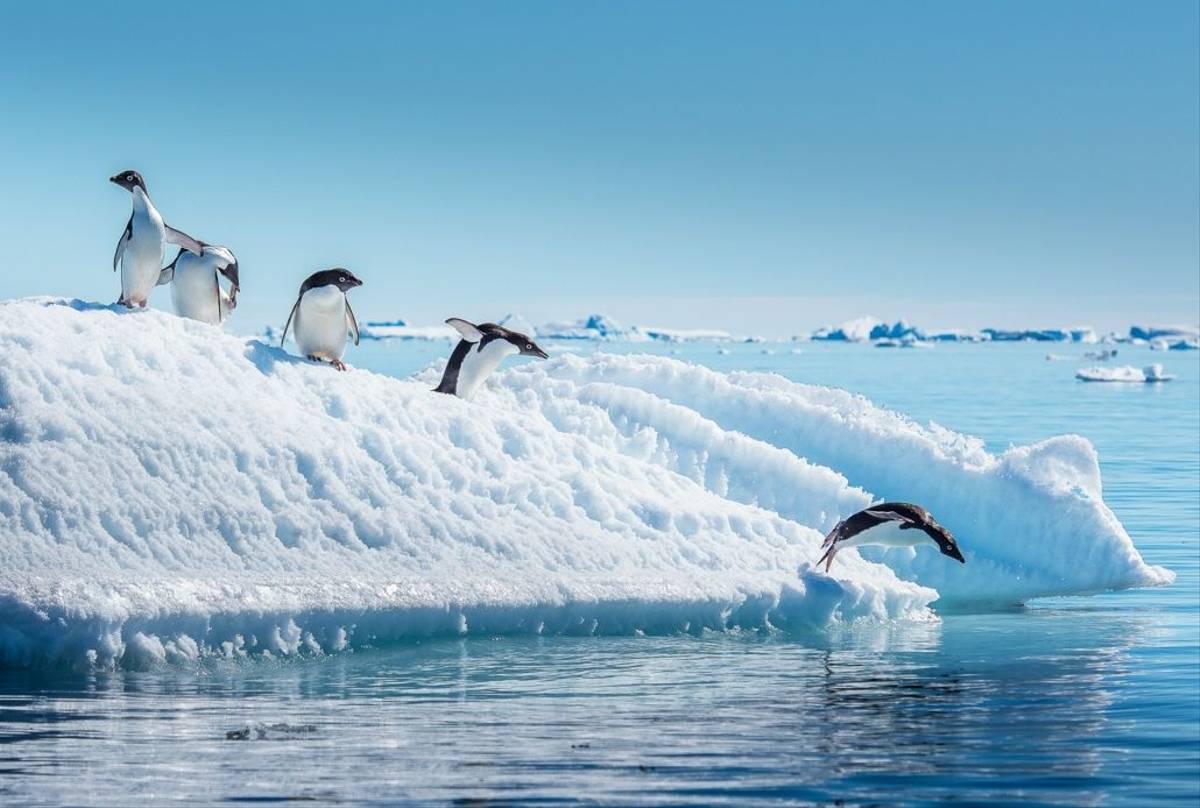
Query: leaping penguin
[
  {"x": 889, "y": 524},
  {"x": 140, "y": 248},
  {"x": 323, "y": 316},
  {"x": 479, "y": 352},
  {"x": 196, "y": 287}
]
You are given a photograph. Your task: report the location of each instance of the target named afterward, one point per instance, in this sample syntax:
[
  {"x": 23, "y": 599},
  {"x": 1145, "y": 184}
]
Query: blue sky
[{"x": 761, "y": 167}]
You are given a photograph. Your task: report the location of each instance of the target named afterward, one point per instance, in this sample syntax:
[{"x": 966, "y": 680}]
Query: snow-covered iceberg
[{"x": 169, "y": 491}]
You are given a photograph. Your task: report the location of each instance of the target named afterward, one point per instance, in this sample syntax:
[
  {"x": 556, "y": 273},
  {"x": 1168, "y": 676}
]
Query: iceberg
[
  {"x": 1150, "y": 332},
  {"x": 859, "y": 330},
  {"x": 593, "y": 327},
  {"x": 171, "y": 493},
  {"x": 1125, "y": 373},
  {"x": 399, "y": 329}
]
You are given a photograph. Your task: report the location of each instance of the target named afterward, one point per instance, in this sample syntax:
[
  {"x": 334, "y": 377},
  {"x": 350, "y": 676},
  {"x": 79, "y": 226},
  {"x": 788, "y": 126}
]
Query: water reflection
[{"x": 978, "y": 708}]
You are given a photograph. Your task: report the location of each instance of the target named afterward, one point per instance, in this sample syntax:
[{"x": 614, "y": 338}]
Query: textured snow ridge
[
  {"x": 1032, "y": 521},
  {"x": 169, "y": 492}
]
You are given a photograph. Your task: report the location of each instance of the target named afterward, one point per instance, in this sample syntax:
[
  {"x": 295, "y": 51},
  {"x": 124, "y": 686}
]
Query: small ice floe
[
  {"x": 1125, "y": 373},
  {"x": 724, "y": 351},
  {"x": 903, "y": 342},
  {"x": 1100, "y": 356},
  {"x": 1054, "y": 357},
  {"x": 270, "y": 732},
  {"x": 768, "y": 351}
]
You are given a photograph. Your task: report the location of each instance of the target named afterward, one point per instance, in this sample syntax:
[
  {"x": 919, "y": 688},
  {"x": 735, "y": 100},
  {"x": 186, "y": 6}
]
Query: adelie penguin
[
  {"x": 140, "y": 248},
  {"x": 322, "y": 316},
  {"x": 196, "y": 286},
  {"x": 889, "y": 524},
  {"x": 479, "y": 352}
]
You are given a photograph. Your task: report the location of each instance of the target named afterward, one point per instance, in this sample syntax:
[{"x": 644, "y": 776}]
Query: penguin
[
  {"x": 323, "y": 316},
  {"x": 478, "y": 353},
  {"x": 196, "y": 287},
  {"x": 140, "y": 248},
  {"x": 889, "y": 524}
]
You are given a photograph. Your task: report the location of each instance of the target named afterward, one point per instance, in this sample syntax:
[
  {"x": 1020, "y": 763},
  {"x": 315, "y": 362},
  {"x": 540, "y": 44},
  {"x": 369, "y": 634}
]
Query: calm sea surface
[{"x": 1076, "y": 701}]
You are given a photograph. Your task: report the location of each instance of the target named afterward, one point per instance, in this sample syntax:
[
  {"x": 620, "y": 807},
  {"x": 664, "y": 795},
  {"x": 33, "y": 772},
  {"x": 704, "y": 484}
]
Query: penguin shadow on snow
[
  {"x": 91, "y": 305},
  {"x": 265, "y": 357}
]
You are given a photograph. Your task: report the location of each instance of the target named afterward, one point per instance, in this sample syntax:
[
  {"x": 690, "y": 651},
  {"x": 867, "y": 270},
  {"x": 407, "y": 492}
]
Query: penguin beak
[
  {"x": 955, "y": 553},
  {"x": 539, "y": 353},
  {"x": 115, "y": 178}
]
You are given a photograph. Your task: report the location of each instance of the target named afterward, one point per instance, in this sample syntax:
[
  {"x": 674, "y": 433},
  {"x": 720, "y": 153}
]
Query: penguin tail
[
  {"x": 827, "y": 559},
  {"x": 832, "y": 536}
]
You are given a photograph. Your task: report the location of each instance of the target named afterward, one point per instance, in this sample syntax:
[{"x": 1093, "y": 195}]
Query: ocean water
[{"x": 1071, "y": 701}]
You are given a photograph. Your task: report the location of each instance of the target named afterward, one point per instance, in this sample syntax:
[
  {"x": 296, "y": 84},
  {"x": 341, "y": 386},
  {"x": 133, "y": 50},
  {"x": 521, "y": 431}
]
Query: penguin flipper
[
  {"x": 289, "y": 322},
  {"x": 890, "y": 516},
  {"x": 469, "y": 331},
  {"x": 351, "y": 322},
  {"x": 168, "y": 272},
  {"x": 123, "y": 242},
  {"x": 182, "y": 239}
]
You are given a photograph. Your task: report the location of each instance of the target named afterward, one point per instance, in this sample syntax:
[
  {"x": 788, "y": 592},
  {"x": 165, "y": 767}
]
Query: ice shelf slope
[
  {"x": 1032, "y": 521},
  {"x": 168, "y": 491}
]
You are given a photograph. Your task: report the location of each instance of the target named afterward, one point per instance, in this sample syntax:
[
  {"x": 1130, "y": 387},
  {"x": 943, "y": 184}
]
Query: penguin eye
[
  {"x": 528, "y": 346},
  {"x": 129, "y": 178},
  {"x": 342, "y": 280}
]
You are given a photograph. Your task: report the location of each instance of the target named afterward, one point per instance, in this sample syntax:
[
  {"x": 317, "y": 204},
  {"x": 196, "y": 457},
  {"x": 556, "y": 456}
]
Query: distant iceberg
[
  {"x": 398, "y": 329},
  {"x": 171, "y": 492},
  {"x": 593, "y": 327},
  {"x": 605, "y": 329},
  {"x": 1149, "y": 332}
]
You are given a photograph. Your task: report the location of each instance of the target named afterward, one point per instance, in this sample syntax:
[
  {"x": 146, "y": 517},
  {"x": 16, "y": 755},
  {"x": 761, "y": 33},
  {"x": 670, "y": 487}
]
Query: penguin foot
[{"x": 337, "y": 363}]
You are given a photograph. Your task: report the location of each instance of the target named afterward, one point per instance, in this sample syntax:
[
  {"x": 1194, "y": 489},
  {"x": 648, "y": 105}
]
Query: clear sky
[{"x": 760, "y": 167}]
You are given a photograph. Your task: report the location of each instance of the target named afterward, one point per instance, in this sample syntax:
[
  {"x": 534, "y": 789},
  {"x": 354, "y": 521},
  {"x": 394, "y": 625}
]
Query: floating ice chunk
[{"x": 1125, "y": 373}]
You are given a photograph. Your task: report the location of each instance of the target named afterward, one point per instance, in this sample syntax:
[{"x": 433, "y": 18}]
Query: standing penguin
[
  {"x": 140, "y": 248},
  {"x": 323, "y": 316},
  {"x": 478, "y": 353},
  {"x": 196, "y": 287}
]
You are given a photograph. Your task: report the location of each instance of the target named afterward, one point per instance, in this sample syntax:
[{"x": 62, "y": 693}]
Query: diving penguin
[
  {"x": 196, "y": 287},
  {"x": 889, "y": 524},
  {"x": 478, "y": 353},
  {"x": 323, "y": 316},
  {"x": 140, "y": 248}
]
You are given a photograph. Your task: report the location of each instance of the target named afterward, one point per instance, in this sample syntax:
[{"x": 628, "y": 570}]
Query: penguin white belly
[
  {"x": 143, "y": 256},
  {"x": 195, "y": 292},
  {"x": 321, "y": 328},
  {"x": 887, "y": 534},
  {"x": 478, "y": 364}
]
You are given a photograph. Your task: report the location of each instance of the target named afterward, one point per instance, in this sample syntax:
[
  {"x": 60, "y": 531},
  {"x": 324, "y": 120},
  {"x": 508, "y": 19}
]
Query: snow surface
[{"x": 170, "y": 492}]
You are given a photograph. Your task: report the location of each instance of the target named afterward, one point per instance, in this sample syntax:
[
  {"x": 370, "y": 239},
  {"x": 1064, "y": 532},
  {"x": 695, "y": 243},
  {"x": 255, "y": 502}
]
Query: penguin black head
[
  {"x": 343, "y": 279},
  {"x": 129, "y": 179},
  {"x": 944, "y": 540},
  {"x": 486, "y": 332}
]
